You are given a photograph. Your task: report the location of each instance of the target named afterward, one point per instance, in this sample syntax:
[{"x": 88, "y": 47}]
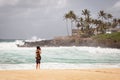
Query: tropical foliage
[
  {"x": 89, "y": 26},
  {"x": 113, "y": 36}
]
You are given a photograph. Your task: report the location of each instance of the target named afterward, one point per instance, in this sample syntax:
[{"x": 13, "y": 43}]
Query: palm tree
[
  {"x": 97, "y": 24},
  {"x": 86, "y": 13},
  {"x": 102, "y": 15},
  {"x": 115, "y": 23},
  {"x": 66, "y": 18},
  {"x": 118, "y": 22},
  {"x": 80, "y": 21},
  {"x": 78, "y": 26},
  {"x": 101, "y": 27},
  {"x": 109, "y": 16},
  {"x": 72, "y": 17},
  {"x": 86, "y": 22}
]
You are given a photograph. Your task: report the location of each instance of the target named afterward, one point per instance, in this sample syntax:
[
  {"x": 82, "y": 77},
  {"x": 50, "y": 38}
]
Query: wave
[
  {"x": 13, "y": 45},
  {"x": 58, "y": 57},
  {"x": 7, "y": 45}
]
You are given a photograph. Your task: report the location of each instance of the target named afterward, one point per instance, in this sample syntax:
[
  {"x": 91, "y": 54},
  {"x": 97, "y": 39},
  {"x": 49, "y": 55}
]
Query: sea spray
[{"x": 13, "y": 57}]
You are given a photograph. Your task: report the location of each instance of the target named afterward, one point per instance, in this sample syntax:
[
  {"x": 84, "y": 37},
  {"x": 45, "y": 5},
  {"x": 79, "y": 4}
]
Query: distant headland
[
  {"x": 103, "y": 31},
  {"x": 107, "y": 40}
]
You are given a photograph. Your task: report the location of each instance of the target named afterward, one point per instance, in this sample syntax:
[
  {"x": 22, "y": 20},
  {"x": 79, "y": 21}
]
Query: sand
[{"x": 58, "y": 74}]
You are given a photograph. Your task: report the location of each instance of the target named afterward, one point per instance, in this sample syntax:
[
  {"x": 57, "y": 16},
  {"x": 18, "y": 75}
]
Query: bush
[{"x": 114, "y": 36}]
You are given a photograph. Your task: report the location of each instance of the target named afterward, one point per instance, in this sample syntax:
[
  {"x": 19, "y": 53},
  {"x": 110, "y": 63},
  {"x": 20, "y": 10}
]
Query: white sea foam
[
  {"x": 81, "y": 57},
  {"x": 93, "y": 50},
  {"x": 34, "y": 39},
  {"x": 98, "y": 50},
  {"x": 19, "y": 42},
  {"x": 7, "y": 45},
  {"x": 56, "y": 66},
  {"x": 12, "y": 45}
]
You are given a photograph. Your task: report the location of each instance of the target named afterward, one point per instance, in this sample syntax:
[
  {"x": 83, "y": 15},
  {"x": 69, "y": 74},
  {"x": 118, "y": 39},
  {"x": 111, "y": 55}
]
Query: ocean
[{"x": 82, "y": 57}]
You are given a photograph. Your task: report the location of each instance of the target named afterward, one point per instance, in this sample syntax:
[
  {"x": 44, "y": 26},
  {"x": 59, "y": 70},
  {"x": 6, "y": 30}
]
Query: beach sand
[{"x": 61, "y": 74}]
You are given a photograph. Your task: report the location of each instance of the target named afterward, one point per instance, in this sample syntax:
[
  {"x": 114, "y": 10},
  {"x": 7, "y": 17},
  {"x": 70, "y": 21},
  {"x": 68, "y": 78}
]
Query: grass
[{"x": 113, "y": 36}]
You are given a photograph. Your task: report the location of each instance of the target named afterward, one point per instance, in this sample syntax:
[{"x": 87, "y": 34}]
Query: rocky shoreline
[{"x": 73, "y": 41}]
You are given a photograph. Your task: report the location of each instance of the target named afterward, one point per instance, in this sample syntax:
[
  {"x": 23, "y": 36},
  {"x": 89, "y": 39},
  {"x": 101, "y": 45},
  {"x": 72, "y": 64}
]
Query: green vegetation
[
  {"x": 114, "y": 36},
  {"x": 90, "y": 26}
]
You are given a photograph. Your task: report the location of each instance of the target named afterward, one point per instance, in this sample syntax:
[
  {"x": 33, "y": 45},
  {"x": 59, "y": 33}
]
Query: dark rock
[{"x": 73, "y": 41}]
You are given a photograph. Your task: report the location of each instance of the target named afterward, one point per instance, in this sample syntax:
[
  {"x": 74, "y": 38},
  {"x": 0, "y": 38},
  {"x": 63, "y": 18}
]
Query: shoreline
[
  {"x": 57, "y": 74},
  {"x": 55, "y": 66}
]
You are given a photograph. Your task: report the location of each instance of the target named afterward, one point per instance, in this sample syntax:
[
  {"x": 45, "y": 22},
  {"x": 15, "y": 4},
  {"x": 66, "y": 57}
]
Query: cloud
[
  {"x": 117, "y": 5},
  {"x": 8, "y": 2},
  {"x": 44, "y": 18},
  {"x": 36, "y": 15},
  {"x": 34, "y": 3},
  {"x": 61, "y": 3},
  {"x": 53, "y": 3},
  {"x": 115, "y": 9},
  {"x": 44, "y": 7}
]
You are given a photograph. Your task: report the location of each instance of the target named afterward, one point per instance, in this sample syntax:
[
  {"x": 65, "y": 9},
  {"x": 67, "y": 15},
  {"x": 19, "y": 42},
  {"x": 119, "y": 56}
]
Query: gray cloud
[
  {"x": 44, "y": 18},
  {"x": 8, "y": 2},
  {"x": 115, "y": 9}
]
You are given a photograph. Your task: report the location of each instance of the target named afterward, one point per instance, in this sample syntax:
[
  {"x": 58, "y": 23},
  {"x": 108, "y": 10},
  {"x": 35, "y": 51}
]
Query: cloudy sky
[{"x": 22, "y": 19}]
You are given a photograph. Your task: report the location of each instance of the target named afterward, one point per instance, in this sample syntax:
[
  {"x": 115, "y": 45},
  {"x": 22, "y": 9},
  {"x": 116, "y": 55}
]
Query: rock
[{"x": 73, "y": 41}]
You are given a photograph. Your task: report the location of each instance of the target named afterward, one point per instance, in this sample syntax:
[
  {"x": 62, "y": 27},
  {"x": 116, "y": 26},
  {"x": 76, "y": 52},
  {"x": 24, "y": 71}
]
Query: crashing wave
[{"x": 34, "y": 39}]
